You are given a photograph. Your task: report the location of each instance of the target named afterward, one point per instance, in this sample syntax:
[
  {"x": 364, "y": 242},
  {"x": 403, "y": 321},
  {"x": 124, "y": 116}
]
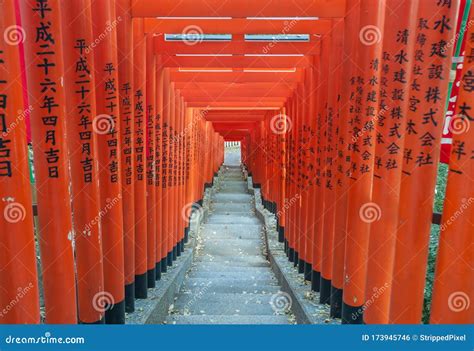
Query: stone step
[
  {"x": 225, "y": 289},
  {"x": 226, "y": 308},
  {"x": 218, "y": 268},
  {"x": 229, "y": 219},
  {"x": 207, "y": 296},
  {"x": 238, "y": 260},
  {"x": 217, "y": 319},
  {"x": 237, "y": 275},
  {"x": 230, "y": 265},
  {"x": 249, "y": 284},
  {"x": 231, "y": 198},
  {"x": 232, "y": 207}
]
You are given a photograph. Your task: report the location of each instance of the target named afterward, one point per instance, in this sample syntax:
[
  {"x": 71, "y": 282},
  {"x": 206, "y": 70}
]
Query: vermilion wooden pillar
[
  {"x": 344, "y": 156},
  {"x": 45, "y": 71},
  {"x": 127, "y": 138},
  {"x": 18, "y": 274},
  {"x": 150, "y": 159},
  {"x": 334, "y": 51},
  {"x": 360, "y": 207},
  {"x": 390, "y": 124},
  {"x": 164, "y": 167},
  {"x": 107, "y": 129},
  {"x": 139, "y": 103},
  {"x": 173, "y": 213},
  {"x": 420, "y": 161},
  {"x": 453, "y": 293},
  {"x": 82, "y": 143},
  {"x": 319, "y": 181},
  {"x": 159, "y": 169}
]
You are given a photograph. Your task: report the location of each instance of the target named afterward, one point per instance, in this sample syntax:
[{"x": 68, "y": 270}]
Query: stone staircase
[{"x": 230, "y": 281}]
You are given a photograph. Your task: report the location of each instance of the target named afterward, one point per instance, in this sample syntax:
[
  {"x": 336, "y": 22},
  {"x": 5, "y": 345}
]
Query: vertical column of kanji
[
  {"x": 307, "y": 164},
  {"x": 81, "y": 110},
  {"x": 272, "y": 175},
  {"x": 18, "y": 274},
  {"x": 170, "y": 174},
  {"x": 299, "y": 113},
  {"x": 268, "y": 162},
  {"x": 428, "y": 87},
  {"x": 390, "y": 123},
  {"x": 125, "y": 87},
  {"x": 344, "y": 140},
  {"x": 453, "y": 287},
  {"x": 198, "y": 174},
  {"x": 301, "y": 192},
  {"x": 289, "y": 185},
  {"x": 308, "y": 224},
  {"x": 107, "y": 129},
  {"x": 189, "y": 198},
  {"x": 290, "y": 181},
  {"x": 158, "y": 168},
  {"x": 182, "y": 205},
  {"x": 276, "y": 174},
  {"x": 139, "y": 103},
  {"x": 44, "y": 62},
  {"x": 334, "y": 50},
  {"x": 264, "y": 159},
  {"x": 321, "y": 136},
  {"x": 150, "y": 158},
  {"x": 164, "y": 169},
  {"x": 360, "y": 206},
  {"x": 209, "y": 153},
  {"x": 175, "y": 212},
  {"x": 179, "y": 143},
  {"x": 183, "y": 132},
  {"x": 282, "y": 164},
  {"x": 295, "y": 199},
  {"x": 259, "y": 154}
]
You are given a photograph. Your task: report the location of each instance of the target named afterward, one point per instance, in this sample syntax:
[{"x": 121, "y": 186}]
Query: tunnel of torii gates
[{"x": 341, "y": 131}]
